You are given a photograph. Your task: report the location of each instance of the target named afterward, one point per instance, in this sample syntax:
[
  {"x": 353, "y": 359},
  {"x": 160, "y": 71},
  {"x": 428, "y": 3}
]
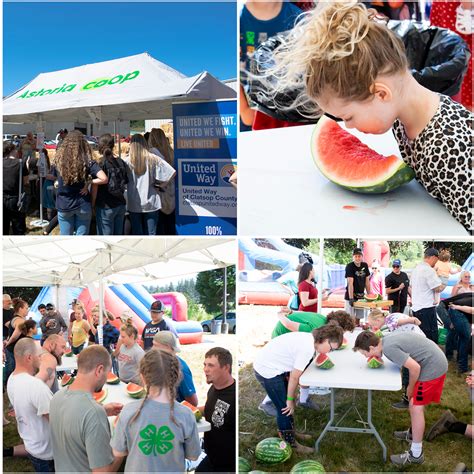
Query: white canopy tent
[
  {"x": 134, "y": 87},
  {"x": 63, "y": 261}
]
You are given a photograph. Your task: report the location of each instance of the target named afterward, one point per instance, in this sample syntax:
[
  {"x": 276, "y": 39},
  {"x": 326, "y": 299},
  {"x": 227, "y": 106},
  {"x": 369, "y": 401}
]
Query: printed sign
[{"x": 205, "y": 149}]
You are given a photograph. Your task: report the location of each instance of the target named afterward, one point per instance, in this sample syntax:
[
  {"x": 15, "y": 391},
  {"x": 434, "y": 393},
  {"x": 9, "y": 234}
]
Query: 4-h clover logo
[{"x": 156, "y": 441}]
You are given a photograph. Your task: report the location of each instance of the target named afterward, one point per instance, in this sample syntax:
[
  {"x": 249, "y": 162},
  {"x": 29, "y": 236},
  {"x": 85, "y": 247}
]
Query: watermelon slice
[
  {"x": 307, "y": 466},
  {"x": 68, "y": 353},
  {"x": 324, "y": 362},
  {"x": 374, "y": 362},
  {"x": 99, "y": 397},
  {"x": 273, "y": 451},
  {"x": 67, "y": 379},
  {"x": 348, "y": 162},
  {"x": 135, "y": 391},
  {"x": 344, "y": 344},
  {"x": 378, "y": 333},
  {"x": 112, "y": 379},
  {"x": 371, "y": 297},
  {"x": 195, "y": 410}
]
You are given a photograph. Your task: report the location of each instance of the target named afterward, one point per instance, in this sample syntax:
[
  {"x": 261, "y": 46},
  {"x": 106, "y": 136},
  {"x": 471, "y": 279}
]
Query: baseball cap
[
  {"x": 397, "y": 263},
  {"x": 168, "y": 339},
  {"x": 50, "y": 306},
  {"x": 157, "y": 307},
  {"x": 431, "y": 252},
  {"x": 357, "y": 251}
]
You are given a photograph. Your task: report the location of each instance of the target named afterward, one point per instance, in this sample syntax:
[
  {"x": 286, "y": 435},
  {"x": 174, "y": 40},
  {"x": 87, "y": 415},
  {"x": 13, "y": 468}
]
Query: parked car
[{"x": 206, "y": 325}]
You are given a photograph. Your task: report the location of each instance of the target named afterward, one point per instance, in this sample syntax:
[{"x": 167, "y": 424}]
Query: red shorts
[{"x": 429, "y": 391}]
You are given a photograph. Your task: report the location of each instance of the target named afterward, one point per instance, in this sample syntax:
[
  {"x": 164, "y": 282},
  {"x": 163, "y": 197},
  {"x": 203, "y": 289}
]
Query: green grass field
[{"x": 344, "y": 451}]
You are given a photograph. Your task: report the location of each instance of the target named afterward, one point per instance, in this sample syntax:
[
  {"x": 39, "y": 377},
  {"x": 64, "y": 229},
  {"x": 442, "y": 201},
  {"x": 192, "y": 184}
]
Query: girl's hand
[
  {"x": 289, "y": 409},
  {"x": 84, "y": 191},
  {"x": 416, "y": 321},
  {"x": 113, "y": 409}
]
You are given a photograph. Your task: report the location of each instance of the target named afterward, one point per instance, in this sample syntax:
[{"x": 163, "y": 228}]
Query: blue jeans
[
  {"x": 277, "y": 390},
  {"x": 9, "y": 365},
  {"x": 110, "y": 220},
  {"x": 463, "y": 330},
  {"x": 77, "y": 221},
  {"x": 144, "y": 223},
  {"x": 41, "y": 465},
  {"x": 429, "y": 322}
]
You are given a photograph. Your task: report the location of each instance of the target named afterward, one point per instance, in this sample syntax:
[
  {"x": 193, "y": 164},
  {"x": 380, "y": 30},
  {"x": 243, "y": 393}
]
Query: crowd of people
[
  {"x": 407, "y": 335},
  {"x": 67, "y": 430},
  {"x": 134, "y": 195}
]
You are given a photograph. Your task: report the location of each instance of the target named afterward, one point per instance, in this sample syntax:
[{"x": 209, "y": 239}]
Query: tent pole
[
  {"x": 225, "y": 295},
  {"x": 119, "y": 141},
  {"x": 320, "y": 276},
  {"x": 101, "y": 311}
]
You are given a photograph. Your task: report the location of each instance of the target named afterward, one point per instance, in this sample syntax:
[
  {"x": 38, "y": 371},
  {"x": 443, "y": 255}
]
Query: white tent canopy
[
  {"x": 134, "y": 87},
  {"x": 68, "y": 261}
]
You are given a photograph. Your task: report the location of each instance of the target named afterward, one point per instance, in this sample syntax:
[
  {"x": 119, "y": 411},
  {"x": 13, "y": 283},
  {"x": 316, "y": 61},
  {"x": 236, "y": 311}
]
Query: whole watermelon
[
  {"x": 273, "y": 451},
  {"x": 244, "y": 465},
  {"x": 308, "y": 465}
]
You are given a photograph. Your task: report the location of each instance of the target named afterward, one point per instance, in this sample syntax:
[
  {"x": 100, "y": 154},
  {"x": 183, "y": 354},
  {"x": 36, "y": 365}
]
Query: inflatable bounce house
[{"x": 130, "y": 299}]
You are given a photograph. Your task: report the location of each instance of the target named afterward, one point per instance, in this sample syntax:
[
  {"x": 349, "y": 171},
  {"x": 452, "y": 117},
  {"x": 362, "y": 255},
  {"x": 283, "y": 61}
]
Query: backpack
[{"x": 116, "y": 171}]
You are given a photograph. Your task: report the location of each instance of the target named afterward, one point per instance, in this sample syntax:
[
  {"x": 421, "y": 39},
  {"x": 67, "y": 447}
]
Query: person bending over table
[
  {"x": 427, "y": 366},
  {"x": 278, "y": 368},
  {"x": 50, "y": 356},
  {"x": 80, "y": 430},
  {"x": 304, "y": 321}
]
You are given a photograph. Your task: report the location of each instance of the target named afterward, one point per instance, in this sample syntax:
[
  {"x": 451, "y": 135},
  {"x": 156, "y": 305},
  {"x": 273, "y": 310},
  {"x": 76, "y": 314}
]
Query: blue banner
[{"x": 205, "y": 150}]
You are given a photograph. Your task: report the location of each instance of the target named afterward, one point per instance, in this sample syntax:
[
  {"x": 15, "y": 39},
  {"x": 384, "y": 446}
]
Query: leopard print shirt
[{"x": 441, "y": 156}]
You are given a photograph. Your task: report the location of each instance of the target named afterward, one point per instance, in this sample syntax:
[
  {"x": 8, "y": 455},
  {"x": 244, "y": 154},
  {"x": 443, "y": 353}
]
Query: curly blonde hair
[
  {"x": 340, "y": 48},
  {"x": 72, "y": 158}
]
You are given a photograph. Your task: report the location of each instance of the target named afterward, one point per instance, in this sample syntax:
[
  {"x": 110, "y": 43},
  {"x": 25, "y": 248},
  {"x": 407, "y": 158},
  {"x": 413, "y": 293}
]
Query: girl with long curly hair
[
  {"x": 73, "y": 165},
  {"x": 146, "y": 171}
]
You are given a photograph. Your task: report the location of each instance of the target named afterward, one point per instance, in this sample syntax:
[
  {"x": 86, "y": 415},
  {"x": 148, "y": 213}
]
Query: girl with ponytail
[
  {"x": 109, "y": 200},
  {"x": 354, "y": 68},
  {"x": 157, "y": 434}
]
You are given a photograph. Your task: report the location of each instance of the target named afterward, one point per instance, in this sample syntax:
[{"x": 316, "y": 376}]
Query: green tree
[
  {"x": 210, "y": 286},
  {"x": 29, "y": 294}
]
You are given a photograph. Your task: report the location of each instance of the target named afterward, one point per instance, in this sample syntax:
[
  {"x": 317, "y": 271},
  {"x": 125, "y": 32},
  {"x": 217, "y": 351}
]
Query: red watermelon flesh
[
  {"x": 324, "y": 362},
  {"x": 135, "y": 391},
  {"x": 348, "y": 162},
  {"x": 371, "y": 297},
  {"x": 66, "y": 379},
  {"x": 112, "y": 379},
  {"x": 99, "y": 397}
]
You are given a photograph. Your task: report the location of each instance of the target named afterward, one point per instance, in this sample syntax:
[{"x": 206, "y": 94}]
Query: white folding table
[
  {"x": 68, "y": 364},
  {"x": 282, "y": 191},
  {"x": 351, "y": 372},
  {"x": 118, "y": 394}
]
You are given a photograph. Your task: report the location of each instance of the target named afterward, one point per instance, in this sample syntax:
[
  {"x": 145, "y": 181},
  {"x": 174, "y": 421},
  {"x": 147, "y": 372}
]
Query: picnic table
[{"x": 350, "y": 371}]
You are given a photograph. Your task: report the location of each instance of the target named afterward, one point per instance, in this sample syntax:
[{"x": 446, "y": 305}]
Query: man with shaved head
[
  {"x": 31, "y": 398},
  {"x": 54, "y": 348}
]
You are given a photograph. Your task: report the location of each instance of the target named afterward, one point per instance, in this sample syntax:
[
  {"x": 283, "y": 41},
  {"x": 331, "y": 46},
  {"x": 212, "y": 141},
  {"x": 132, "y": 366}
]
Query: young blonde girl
[
  {"x": 79, "y": 329},
  {"x": 146, "y": 170},
  {"x": 157, "y": 434},
  {"x": 386, "y": 323},
  {"x": 354, "y": 68}
]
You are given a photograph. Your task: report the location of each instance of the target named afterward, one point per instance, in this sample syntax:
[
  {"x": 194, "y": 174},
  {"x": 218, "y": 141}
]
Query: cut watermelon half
[
  {"x": 348, "y": 162},
  {"x": 68, "y": 353},
  {"x": 135, "y": 391},
  {"x": 324, "y": 362},
  {"x": 374, "y": 362},
  {"x": 195, "y": 410},
  {"x": 371, "y": 297},
  {"x": 67, "y": 379},
  {"x": 112, "y": 379},
  {"x": 99, "y": 397}
]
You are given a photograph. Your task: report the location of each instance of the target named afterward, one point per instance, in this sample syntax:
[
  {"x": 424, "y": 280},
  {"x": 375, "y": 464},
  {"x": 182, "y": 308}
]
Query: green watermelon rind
[
  {"x": 307, "y": 466},
  {"x": 397, "y": 177},
  {"x": 69, "y": 382},
  {"x": 373, "y": 363},
  {"x": 115, "y": 381},
  {"x": 244, "y": 465},
  {"x": 270, "y": 451},
  {"x": 326, "y": 365}
]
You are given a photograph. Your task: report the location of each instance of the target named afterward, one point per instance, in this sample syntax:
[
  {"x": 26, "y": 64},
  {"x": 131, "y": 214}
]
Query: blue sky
[{"x": 189, "y": 37}]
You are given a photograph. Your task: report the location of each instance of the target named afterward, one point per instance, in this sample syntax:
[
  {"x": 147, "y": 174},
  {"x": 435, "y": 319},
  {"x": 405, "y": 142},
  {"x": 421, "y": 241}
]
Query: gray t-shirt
[
  {"x": 129, "y": 362},
  {"x": 155, "y": 443},
  {"x": 80, "y": 432},
  {"x": 399, "y": 346}
]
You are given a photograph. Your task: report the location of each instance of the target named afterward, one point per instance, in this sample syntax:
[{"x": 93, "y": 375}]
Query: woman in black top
[
  {"x": 108, "y": 199},
  {"x": 20, "y": 312},
  {"x": 12, "y": 217}
]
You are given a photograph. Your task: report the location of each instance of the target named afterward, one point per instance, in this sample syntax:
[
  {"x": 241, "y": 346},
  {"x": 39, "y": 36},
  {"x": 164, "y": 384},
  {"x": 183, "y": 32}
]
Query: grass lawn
[
  {"x": 345, "y": 451},
  {"x": 193, "y": 354}
]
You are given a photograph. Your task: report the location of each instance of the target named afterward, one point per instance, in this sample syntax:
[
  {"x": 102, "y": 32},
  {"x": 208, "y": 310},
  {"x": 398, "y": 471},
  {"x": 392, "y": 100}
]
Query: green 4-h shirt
[{"x": 308, "y": 321}]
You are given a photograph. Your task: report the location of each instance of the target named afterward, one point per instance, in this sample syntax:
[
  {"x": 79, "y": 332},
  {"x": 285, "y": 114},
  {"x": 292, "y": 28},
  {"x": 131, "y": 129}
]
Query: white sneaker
[{"x": 464, "y": 20}]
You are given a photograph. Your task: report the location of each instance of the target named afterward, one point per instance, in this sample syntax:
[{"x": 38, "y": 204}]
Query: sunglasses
[{"x": 395, "y": 266}]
